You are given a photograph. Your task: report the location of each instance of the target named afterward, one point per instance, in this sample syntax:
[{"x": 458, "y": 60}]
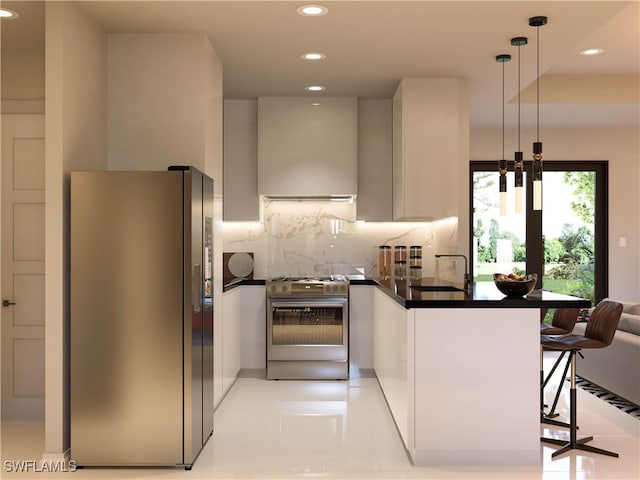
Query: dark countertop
[
  {"x": 237, "y": 282},
  {"x": 484, "y": 295}
]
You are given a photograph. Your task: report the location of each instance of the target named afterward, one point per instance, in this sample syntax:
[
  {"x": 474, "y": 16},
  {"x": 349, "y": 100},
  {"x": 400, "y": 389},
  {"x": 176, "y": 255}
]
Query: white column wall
[{"x": 75, "y": 139}]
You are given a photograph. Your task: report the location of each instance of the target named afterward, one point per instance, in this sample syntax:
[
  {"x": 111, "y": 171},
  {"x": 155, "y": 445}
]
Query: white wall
[
  {"x": 75, "y": 139},
  {"x": 621, "y": 147},
  {"x": 157, "y": 113}
]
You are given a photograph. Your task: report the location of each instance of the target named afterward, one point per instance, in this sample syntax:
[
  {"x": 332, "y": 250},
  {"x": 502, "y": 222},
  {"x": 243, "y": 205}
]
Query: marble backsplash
[{"x": 315, "y": 238}]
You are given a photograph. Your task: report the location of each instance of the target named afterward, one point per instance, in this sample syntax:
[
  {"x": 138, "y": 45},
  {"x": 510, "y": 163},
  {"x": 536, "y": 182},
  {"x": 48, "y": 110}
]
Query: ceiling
[{"x": 371, "y": 45}]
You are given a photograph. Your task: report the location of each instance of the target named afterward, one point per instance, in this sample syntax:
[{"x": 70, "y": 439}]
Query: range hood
[{"x": 308, "y": 148}]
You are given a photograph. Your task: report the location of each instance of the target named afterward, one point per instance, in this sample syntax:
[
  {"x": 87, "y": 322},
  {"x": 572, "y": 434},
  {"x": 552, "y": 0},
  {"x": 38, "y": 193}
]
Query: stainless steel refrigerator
[{"x": 141, "y": 304}]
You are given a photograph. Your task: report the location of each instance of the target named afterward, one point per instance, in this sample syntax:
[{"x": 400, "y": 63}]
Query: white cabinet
[
  {"x": 375, "y": 151},
  {"x": 241, "y": 343},
  {"x": 430, "y": 148},
  {"x": 440, "y": 367},
  {"x": 307, "y": 146},
  {"x": 361, "y": 324},
  {"x": 392, "y": 359},
  {"x": 241, "y": 202},
  {"x": 230, "y": 344},
  {"x": 253, "y": 327},
  {"x": 465, "y": 369}
]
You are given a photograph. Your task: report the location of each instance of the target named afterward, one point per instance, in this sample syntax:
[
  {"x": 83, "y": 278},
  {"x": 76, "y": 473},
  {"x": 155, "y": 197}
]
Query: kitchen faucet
[{"x": 467, "y": 277}]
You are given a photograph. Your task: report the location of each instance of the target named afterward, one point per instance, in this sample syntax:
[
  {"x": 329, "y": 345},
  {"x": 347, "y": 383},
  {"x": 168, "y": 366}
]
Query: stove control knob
[{"x": 274, "y": 289}]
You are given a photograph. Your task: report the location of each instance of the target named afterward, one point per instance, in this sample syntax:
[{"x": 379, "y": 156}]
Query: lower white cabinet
[
  {"x": 242, "y": 341},
  {"x": 252, "y": 321},
  {"x": 392, "y": 327},
  {"x": 442, "y": 369},
  {"x": 230, "y": 344},
  {"x": 360, "y": 328}
]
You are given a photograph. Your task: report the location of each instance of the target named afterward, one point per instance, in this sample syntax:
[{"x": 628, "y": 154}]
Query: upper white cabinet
[
  {"x": 307, "y": 146},
  {"x": 375, "y": 149},
  {"x": 240, "y": 160},
  {"x": 430, "y": 148}
]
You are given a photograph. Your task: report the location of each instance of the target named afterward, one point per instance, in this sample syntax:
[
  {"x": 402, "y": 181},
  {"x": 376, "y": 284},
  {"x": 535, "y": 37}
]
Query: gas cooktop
[
  {"x": 312, "y": 286},
  {"x": 330, "y": 278}
]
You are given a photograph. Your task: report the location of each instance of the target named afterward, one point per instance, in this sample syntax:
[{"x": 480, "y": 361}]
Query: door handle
[
  {"x": 7, "y": 303},
  {"x": 196, "y": 288}
]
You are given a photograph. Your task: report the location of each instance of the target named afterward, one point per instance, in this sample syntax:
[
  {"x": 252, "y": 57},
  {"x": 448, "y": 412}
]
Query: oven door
[{"x": 304, "y": 329}]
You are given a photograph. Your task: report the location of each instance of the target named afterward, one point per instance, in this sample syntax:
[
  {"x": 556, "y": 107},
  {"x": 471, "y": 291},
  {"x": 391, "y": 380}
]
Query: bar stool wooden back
[
  {"x": 598, "y": 334},
  {"x": 563, "y": 321}
]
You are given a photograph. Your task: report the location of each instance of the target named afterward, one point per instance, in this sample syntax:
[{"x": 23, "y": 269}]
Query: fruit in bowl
[{"x": 513, "y": 285}]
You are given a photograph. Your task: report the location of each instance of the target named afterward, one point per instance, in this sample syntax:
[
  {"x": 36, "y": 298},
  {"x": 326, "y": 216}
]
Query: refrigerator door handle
[{"x": 196, "y": 289}]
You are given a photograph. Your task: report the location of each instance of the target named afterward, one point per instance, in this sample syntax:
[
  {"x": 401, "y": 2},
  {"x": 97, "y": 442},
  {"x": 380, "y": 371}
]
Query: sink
[{"x": 436, "y": 288}]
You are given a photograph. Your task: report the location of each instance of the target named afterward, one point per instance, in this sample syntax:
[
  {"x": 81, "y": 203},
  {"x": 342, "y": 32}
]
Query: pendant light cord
[
  {"x": 519, "y": 88},
  {"x": 538, "y": 83},
  {"x": 503, "y": 110}
]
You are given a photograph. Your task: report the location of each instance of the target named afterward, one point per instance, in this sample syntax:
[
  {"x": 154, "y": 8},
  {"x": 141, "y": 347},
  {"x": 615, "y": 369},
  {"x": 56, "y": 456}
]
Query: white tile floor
[{"x": 343, "y": 430}]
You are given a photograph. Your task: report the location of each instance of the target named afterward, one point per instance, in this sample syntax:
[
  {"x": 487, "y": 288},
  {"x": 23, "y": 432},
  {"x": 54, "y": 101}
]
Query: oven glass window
[{"x": 307, "y": 325}]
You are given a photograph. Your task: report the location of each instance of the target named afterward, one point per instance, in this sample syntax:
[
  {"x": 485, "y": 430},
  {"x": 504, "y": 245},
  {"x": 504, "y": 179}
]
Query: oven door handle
[{"x": 308, "y": 302}]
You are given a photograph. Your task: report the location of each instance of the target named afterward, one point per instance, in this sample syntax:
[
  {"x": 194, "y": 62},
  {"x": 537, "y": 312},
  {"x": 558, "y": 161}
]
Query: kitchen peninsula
[{"x": 460, "y": 371}]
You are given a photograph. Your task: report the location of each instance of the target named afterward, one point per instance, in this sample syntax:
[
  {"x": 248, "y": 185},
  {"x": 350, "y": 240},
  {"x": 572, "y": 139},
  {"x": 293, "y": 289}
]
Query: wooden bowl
[{"x": 516, "y": 288}]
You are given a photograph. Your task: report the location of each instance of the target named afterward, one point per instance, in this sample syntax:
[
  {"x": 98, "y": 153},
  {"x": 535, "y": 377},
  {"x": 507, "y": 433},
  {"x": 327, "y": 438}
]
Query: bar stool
[
  {"x": 598, "y": 334},
  {"x": 562, "y": 323}
]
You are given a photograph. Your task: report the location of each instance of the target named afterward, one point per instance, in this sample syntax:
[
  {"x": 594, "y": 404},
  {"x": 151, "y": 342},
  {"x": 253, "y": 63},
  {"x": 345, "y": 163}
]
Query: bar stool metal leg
[
  {"x": 552, "y": 412},
  {"x": 574, "y": 442},
  {"x": 544, "y": 417}
]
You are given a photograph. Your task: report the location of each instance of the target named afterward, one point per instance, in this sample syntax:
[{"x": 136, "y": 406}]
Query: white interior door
[{"x": 23, "y": 247}]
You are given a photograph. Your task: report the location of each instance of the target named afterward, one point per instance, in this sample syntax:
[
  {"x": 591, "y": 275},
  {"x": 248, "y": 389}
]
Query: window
[{"x": 565, "y": 243}]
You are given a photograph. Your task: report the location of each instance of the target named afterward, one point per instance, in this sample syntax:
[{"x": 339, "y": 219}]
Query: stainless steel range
[{"x": 308, "y": 328}]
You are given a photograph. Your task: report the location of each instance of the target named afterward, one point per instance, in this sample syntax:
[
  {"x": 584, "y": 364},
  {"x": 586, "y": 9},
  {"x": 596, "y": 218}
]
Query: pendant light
[
  {"x": 537, "y": 145},
  {"x": 518, "y": 162},
  {"x": 502, "y": 164}
]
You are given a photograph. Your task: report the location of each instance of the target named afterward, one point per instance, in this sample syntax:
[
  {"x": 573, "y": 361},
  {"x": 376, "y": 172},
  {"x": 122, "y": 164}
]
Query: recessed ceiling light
[
  {"x": 591, "y": 51},
  {"x": 313, "y": 56},
  {"x": 312, "y": 10},
  {"x": 315, "y": 88},
  {"x": 6, "y": 13}
]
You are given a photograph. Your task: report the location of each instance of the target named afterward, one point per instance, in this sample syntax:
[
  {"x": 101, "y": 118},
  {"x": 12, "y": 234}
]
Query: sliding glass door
[{"x": 565, "y": 243}]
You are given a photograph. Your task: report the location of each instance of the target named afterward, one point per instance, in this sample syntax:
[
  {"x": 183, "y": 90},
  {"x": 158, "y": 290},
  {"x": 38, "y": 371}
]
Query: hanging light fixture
[
  {"x": 502, "y": 164},
  {"x": 537, "y": 145},
  {"x": 518, "y": 162}
]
